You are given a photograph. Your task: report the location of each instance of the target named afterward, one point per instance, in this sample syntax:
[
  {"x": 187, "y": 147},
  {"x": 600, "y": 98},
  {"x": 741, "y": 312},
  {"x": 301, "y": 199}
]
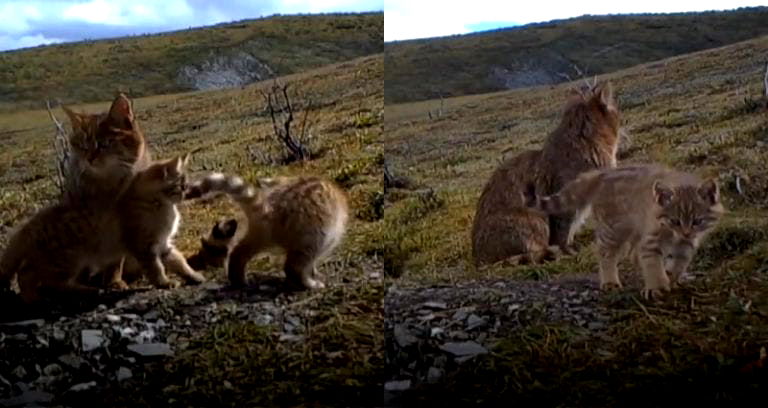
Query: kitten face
[
  {"x": 686, "y": 214},
  {"x": 166, "y": 179}
]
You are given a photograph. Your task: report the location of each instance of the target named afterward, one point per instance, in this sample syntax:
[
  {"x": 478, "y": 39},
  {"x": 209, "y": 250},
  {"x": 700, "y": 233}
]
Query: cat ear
[
  {"x": 75, "y": 118},
  {"x": 710, "y": 191},
  {"x": 184, "y": 161},
  {"x": 605, "y": 92},
  {"x": 662, "y": 194},
  {"x": 121, "y": 112}
]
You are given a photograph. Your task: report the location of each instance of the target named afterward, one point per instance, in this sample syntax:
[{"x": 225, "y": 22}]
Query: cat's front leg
[
  {"x": 113, "y": 276},
  {"x": 155, "y": 270},
  {"x": 654, "y": 275}
]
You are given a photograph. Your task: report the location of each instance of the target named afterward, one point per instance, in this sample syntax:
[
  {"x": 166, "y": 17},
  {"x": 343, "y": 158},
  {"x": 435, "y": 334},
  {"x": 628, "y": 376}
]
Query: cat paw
[
  {"x": 655, "y": 293},
  {"x": 118, "y": 285},
  {"x": 195, "y": 278},
  {"x": 611, "y": 286},
  {"x": 167, "y": 284}
]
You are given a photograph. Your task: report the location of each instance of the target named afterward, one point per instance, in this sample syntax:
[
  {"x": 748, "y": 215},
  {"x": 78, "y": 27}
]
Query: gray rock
[
  {"x": 34, "y": 322},
  {"x": 290, "y": 337},
  {"x": 466, "y": 348},
  {"x": 434, "y": 374},
  {"x": 436, "y": 331},
  {"x": 83, "y": 386},
  {"x": 71, "y": 360},
  {"x": 397, "y": 385},
  {"x": 58, "y": 334},
  {"x": 152, "y": 315},
  {"x": 27, "y": 398},
  {"x": 263, "y": 320},
  {"x": 19, "y": 372},
  {"x": 151, "y": 349},
  {"x": 112, "y": 318},
  {"x": 435, "y": 305},
  {"x": 474, "y": 321},
  {"x": 403, "y": 337},
  {"x": 124, "y": 373},
  {"x": 53, "y": 370},
  {"x": 91, "y": 339}
]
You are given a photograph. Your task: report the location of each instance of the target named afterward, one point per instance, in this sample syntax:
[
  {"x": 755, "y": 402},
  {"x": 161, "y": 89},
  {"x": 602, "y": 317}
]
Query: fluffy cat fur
[
  {"x": 504, "y": 229},
  {"x": 305, "y": 216},
  {"x": 63, "y": 245},
  {"x": 653, "y": 214}
]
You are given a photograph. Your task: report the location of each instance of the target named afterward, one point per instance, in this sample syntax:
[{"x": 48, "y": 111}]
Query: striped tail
[
  {"x": 233, "y": 186},
  {"x": 575, "y": 195}
]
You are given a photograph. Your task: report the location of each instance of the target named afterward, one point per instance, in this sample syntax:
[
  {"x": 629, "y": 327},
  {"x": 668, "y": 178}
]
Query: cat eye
[
  {"x": 676, "y": 223},
  {"x": 696, "y": 222}
]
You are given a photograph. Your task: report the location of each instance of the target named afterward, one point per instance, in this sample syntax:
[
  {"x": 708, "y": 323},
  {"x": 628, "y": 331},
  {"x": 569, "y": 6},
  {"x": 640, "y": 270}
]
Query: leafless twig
[{"x": 63, "y": 153}]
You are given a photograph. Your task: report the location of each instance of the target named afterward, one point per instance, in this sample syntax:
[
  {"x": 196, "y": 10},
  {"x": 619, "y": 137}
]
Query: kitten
[
  {"x": 586, "y": 139},
  {"x": 655, "y": 215},
  {"x": 63, "y": 245},
  {"x": 305, "y": 216},
  {"x": 214, "y": 247}
]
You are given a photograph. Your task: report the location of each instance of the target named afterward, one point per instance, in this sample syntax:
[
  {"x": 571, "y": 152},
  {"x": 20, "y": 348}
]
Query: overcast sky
[
  {"x": 26, "y": 23},
  {"x": 407, "y": 19}
]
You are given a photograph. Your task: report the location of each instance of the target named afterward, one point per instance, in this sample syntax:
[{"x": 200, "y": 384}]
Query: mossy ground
[
  {"x": 235, "y": 361},
  {"x": 700, "y": 112}
]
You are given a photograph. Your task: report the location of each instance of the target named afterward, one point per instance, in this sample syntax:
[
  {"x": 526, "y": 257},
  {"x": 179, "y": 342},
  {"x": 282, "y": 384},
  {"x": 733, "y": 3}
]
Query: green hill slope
[
  {"x": 200, "y": 58},
  {"x": 546, "y": 53}
]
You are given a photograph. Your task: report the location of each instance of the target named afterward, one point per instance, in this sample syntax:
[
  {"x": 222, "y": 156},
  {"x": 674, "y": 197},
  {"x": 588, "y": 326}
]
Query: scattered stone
[
  {"x": 474, "y": 321},
  {"x": 124, "y": 373},
  {"x": 53, "y": 370},
  {"x": 435, "y": 305},
  {"x": 436, "y": 331},
  {"x": 58, "y": 334},
  {"x": 152, "y": 315},
  {"x": 467, "y": 348},
  {"x": 397, "y": 385},
  {"x": 113, "y": 318},
  {"x": 19, "y": 337},
  {"x": 83, "y": 386},
  {"x": 27, "y": 398},
  {"x": 434, "y": 374},
  {"x": 403, "y": 337},
  {"x": 19, "y": 372},
  {"x": 37, "y": 323},
  {"x": 91, "y": 339},
  {"x": 290, "y": 337},
  {"x": 71, "y": 360},
  {"x": 151, "y": 349},
  {"x": 263, "y": 320}
]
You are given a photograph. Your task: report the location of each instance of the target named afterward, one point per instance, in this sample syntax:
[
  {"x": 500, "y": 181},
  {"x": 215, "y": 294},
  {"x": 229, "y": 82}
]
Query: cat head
[
  {"x": 101, "y": 138},
  {"x": 688, "y": 211},
  {"x": 164, "y": 179},
  {"x": 214, "y": 248},
  {"x": 595, "y": 103}
]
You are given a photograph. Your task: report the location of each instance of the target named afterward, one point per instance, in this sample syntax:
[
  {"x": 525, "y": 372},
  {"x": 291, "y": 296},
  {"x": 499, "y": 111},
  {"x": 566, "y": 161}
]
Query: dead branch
[
  {"x": 296, "y": 149},
  {"x": 63, "y": 154}
]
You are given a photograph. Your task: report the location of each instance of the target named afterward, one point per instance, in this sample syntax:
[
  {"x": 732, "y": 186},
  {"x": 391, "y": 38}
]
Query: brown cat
[
  {"x": 654, "y": 214},
  {"x": 107, "y": 150},
  {"x": 586, "y": 139},
  {"x": 306, "y": 216},
  {"x": 214, "y": 247},
  {"x": 62, "y": 245}
]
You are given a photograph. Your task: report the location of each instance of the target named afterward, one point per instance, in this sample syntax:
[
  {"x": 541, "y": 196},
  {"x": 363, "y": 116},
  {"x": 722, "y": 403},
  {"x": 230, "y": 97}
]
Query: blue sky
[
  {"x": 409, "y": 19},
  {"x": 26, "y": 23}
]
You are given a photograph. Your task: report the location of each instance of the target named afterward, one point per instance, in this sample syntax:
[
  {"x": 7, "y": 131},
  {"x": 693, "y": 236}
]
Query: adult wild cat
[
  {"x": 654, "y": 214},
  {"x": 59, "y": 247},
  {"x": 306, "y": 216},
  {"x": 587, "y": 138}
]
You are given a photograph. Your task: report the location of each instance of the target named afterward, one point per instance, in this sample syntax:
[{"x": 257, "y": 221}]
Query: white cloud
[
  {"x": 128, "y": 12},
  {"x": 12, "y": 43},
  {"x": 405, "y": 19}
]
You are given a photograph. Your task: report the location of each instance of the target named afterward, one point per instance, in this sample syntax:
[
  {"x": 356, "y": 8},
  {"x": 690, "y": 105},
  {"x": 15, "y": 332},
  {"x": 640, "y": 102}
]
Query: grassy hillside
[
  {"x": 342, "y": 358},
  {"x": 543, "y": 53},
  {"x": 150, "y": 65},
  {"x": 702, "y": 112}
]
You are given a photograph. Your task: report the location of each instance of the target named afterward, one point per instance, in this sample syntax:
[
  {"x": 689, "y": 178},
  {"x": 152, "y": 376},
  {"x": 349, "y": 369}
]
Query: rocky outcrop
[{"x": 224, "y": 71}]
